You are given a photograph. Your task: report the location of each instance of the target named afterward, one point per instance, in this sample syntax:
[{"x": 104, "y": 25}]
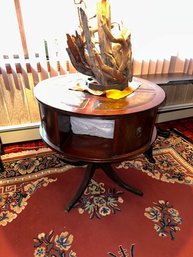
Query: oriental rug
[{"x": 107, "y": 220}]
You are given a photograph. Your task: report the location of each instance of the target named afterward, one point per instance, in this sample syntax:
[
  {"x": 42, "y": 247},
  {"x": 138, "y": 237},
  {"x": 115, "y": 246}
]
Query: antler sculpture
[{"x": 111, "y": 64}]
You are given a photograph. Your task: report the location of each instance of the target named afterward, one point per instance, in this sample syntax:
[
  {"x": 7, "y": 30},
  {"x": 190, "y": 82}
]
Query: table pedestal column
[{"x": 89, "y": 172}]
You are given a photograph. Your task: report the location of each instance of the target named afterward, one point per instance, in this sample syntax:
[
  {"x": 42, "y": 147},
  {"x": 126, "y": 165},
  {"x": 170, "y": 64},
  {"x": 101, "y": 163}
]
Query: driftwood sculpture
[{"x": 107, "y": 60}]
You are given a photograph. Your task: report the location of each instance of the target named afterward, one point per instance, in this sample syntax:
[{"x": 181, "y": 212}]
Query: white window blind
[
  {"x": 33, "y": 44},
  {"x": 160, "y": 30},
  {"x": 10, "y": 42}
]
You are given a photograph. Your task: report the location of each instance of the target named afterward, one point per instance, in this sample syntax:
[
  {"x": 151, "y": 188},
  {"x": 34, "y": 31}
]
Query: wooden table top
[{"x": 57, "y": 93}]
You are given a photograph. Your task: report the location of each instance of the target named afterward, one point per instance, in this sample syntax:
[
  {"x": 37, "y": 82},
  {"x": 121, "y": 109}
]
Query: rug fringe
[
  {"x": 33, "y": 176},
  {"x": 5, "y": 157}
]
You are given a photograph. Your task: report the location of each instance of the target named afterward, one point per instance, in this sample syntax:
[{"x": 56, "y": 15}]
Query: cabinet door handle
[{"x": 139, "y": 132}]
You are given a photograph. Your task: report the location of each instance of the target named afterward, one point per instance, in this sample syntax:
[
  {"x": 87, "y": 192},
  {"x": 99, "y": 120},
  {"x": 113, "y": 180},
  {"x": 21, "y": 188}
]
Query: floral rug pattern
[
  {"x": 173, "y": 161},
  {"x": 123, "y": 252},
  {"x": 98, "y": 202},
  {"x": 13, "y": 198},
  {"x": 166, "y": 218},
  {"x": 30, "y": 165},
  {"x": 57, "y": 246}
]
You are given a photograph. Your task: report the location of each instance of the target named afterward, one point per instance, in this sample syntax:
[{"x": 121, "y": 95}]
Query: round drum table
[{"x": 133, "y": 119}]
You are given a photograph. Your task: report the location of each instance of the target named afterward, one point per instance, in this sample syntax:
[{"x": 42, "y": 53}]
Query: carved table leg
[
  {"x": 149, "y": 155},
  {"x": 111, "y": 173},
  {"x": 1, "y": 166},
  {"x": 1, "y": 152},
  {"x": 163, "y": 133},
  {"x": 89, "y": 172}
]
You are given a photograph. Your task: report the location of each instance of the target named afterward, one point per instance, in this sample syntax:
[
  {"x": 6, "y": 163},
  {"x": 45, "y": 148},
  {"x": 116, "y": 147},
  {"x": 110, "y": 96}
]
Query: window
[
  {"x": 160, "y": 29},
  {"x": 33, "y": 44},
  {"x": 10, "y": 42}
]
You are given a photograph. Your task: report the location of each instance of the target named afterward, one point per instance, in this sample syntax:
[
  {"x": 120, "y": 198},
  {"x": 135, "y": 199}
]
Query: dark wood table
[
  {"x": 1, "y": 152},
  {"x": 134, "y": 125}
]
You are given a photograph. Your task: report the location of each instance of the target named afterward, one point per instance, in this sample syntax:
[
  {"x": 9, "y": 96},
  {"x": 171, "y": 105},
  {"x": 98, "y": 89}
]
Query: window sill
[{"x": 169, "y": 79}]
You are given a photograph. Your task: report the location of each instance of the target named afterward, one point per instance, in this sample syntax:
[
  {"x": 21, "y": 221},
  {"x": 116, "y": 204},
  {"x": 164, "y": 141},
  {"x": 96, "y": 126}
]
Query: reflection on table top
[{"x": 58, "y": 93}]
